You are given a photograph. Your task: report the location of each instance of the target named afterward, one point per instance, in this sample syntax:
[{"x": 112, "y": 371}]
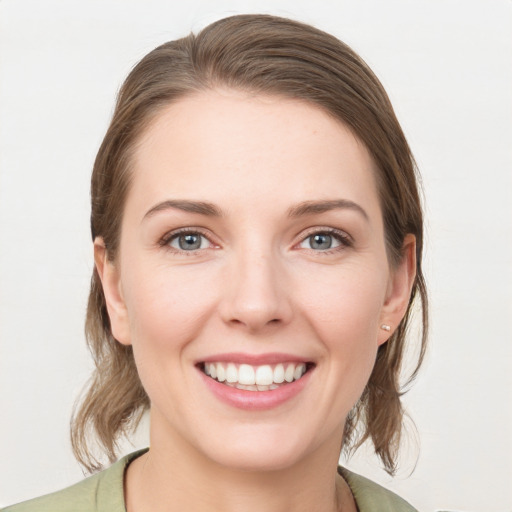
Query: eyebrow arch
[
  {"x": 200, "y": 207},
  {"x": 315, "y": 207}
]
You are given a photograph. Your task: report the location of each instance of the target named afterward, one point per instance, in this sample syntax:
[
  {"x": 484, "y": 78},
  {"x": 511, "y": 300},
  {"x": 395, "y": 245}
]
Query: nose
[{"x": 256, "y": 294}]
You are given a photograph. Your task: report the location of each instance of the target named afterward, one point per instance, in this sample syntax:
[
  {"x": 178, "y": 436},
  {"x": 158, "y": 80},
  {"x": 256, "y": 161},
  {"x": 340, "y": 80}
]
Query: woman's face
[{"x": 252, "y": 249}]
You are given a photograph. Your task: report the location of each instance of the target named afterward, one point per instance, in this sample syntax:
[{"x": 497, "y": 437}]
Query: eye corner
[
  {"x": 329, "y": 240},
  {"x": 187, "y": 241}
]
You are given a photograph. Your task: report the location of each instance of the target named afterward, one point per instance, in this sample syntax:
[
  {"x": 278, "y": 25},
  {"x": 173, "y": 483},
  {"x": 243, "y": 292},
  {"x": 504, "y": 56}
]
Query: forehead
[{"x": 221, "y": 145}]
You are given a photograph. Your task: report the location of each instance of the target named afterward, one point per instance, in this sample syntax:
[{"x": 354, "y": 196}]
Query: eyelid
[
  {"x": 343, "y": 237},
  {"x": 170, "y": 235}
]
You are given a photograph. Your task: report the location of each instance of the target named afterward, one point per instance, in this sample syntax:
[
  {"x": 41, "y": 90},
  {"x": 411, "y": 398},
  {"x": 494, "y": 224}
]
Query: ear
[
  {"x": 111, "y": 283},
  {"x": 399, "y": 289}
]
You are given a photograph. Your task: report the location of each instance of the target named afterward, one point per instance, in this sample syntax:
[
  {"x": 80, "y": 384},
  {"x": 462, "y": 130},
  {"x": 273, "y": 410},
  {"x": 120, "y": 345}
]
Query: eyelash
[
  {"x": 343, "y": 238},
  {"x": 169, "y": 237}
]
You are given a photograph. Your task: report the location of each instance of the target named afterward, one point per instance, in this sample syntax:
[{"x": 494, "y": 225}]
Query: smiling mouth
[{"x": 255, "y": 378}]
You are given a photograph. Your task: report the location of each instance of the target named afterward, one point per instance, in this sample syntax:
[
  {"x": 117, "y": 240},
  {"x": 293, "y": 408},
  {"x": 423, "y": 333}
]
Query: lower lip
[{"x": 255, "y": 400}]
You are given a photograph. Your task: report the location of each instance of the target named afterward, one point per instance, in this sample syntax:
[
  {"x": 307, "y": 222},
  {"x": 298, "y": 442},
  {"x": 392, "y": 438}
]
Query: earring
[{"x": 385, "y": 327}]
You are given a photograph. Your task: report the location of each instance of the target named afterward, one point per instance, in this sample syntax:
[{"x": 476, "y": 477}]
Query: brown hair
[{"x": 268, "y": 55}]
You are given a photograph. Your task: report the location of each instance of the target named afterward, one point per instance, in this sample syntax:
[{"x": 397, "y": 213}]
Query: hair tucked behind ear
[{"x": 268, "y": 55}]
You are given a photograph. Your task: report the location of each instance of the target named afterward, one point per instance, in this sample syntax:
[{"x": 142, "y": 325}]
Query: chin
[
  {"x": 262, "y": 450},
  {"x": 255, "y": 460}
]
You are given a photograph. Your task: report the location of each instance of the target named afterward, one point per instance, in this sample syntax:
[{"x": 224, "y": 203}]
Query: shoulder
[
  {"x": 81, "y": 497},
  {"x": 372, "y": 497},
  {"x": 102, "y": 492}
]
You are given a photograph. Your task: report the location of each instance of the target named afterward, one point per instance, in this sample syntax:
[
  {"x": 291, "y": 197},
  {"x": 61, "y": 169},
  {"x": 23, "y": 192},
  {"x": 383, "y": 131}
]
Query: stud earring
[{"x": 386, "y": 327}]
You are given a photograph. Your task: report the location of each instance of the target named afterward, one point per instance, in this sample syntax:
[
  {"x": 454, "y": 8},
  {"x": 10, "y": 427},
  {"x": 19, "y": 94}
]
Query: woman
[{"x": 257, "y": 238}]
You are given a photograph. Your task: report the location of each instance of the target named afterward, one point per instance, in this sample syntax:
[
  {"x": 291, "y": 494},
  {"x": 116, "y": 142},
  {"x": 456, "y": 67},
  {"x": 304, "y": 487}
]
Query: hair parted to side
[{"x": 260, "y": 54}]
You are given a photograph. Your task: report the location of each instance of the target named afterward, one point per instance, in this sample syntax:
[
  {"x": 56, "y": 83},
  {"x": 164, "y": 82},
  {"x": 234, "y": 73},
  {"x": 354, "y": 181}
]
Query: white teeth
[
  {"x": 255, "y": 378},
  {"x": 221, "y": 372},
  {"x": 246, "y": 375},
  {"x": 279, "y": 374},
  {"x": 264, "y": 375},
  {"x": 289, "y": 372},
  {"x": 299, "y": 371},
  {"x": 231, "y": 373}
]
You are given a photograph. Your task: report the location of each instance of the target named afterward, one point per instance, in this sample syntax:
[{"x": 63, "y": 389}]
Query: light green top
[{"x": 103, "y": 492}]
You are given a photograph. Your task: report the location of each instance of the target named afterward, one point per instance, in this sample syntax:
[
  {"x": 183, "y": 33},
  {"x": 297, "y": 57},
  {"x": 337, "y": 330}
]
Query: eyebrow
[
  {"x": 315, "y": 207},
  {"x": 200, "y": 207},
  {"x": 300, "y": 210}
]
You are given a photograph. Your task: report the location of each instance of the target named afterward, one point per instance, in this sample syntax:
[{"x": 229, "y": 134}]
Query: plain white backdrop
[{"x": 447, "y": 66}]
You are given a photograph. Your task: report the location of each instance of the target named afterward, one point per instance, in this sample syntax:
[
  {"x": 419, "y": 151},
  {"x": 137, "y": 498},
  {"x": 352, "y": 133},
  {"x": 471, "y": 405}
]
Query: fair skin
[{"x": 252, "y": 235}]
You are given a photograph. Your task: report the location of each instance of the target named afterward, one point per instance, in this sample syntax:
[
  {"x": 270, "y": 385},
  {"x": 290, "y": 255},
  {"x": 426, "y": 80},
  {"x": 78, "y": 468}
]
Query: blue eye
[
  {"x": 323, "y": 241},
  {"x": 188, "y": 241}
]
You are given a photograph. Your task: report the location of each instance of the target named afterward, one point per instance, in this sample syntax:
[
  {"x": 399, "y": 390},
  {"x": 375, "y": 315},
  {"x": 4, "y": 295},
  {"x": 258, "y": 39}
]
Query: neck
[{"x": 173, "y": 476}]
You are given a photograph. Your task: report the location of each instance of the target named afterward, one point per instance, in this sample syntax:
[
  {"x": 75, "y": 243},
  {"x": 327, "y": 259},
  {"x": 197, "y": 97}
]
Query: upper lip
[{"x": 255, "y": 359}]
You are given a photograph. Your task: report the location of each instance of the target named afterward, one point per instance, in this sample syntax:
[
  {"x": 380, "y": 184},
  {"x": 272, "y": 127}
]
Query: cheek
[
  {"x": 346, "y": 301},
  {"x": 166, "y": 307},
  {"x": 343, "y": 309}
]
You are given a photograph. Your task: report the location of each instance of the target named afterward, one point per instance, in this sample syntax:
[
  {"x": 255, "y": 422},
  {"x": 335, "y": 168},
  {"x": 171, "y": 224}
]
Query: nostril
[{"x": 254, "y": 322}]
